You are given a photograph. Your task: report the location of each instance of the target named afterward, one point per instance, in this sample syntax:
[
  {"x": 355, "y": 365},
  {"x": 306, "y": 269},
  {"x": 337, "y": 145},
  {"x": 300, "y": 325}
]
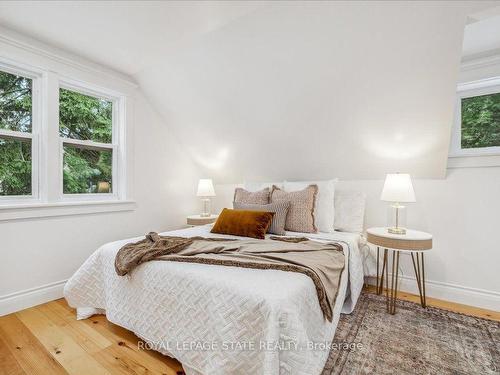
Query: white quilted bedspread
[{"x": 217, "y": 319}]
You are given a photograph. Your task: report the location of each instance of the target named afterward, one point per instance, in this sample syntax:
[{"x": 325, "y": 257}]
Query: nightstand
[
  {"x": 415, "y": 243},
  {"x": 194, "y": 220}
]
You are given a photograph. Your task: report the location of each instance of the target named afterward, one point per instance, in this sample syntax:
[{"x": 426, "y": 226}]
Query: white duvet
[{"x": 218, "y": 319}]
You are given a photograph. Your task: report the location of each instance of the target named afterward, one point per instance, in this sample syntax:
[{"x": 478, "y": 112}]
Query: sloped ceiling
[
  {"x": 125, "y": 35},
  {"x": 482, "y": 34},
  {"x": 263, "y": 90}
]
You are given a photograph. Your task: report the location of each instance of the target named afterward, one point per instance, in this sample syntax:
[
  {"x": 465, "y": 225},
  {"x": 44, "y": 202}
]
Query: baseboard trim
[
  {"x": 448, "y": 292},
  {"x": 31, "y": 297},
  {"x": 485, "y": 299}
]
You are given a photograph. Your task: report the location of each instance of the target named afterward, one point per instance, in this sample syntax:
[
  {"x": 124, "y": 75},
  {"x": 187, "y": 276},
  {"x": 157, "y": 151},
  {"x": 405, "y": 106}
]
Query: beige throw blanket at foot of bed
[{"x": 322, "y": 262}]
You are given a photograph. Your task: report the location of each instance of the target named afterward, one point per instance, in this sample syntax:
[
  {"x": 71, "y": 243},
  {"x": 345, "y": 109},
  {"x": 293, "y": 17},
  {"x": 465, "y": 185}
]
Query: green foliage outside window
[
  {"x": 15, "y": 167},
  {"x": 15, "y": 102},
  {"x": 86, "y": 170},
  {"x": 15, "y": 153},
  {"x": 481, "y": 121},
  {"x": 84, "y": 117}
]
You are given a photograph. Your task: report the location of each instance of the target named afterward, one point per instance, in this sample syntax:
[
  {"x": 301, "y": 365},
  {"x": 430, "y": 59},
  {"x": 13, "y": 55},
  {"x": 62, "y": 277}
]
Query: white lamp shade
[
  {"x": 205, "y": 188},
  {"x": 398, "y": 188}
]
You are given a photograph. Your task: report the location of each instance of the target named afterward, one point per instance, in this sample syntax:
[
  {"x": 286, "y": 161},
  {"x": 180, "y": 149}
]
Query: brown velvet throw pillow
[{"x": 243, "y": 223}]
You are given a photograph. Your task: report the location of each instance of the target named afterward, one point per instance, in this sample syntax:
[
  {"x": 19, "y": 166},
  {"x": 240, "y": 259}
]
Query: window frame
[
  {"x": 116, "y": 146},
  {"x": 469, "y": 90},
  {"x": 34, "y": 136}
]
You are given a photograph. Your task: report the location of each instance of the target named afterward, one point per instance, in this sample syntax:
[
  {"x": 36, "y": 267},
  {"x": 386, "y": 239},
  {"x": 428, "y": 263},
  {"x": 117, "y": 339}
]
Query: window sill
[
  {"x": 474, "y": 161},
  {"x": 31, "y": 210}
]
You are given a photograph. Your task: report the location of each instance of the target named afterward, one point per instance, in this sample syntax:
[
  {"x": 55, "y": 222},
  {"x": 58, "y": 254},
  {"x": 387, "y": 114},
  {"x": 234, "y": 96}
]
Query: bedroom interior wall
[
  {"x": 39, "y": 254},
  {"x": 310, "y": 88},
  {"x": 461, "y": 211}
]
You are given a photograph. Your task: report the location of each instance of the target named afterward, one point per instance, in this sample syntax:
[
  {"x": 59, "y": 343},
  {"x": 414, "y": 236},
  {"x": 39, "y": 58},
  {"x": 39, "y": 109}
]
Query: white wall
[
  {"x": 294, "y": 88},
  {"x": 38, "y": 255}
]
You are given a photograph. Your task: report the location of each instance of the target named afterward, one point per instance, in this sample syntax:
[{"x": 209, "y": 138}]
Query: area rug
[{"x": 413, "y": 341}]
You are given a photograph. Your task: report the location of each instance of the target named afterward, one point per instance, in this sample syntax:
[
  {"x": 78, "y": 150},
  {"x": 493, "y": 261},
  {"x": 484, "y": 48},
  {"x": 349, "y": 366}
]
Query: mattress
[{"x": 218, "y": 319}]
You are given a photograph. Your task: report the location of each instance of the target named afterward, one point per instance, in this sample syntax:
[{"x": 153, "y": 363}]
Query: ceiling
[
  {"x": 280, "y": 90},
  {"x": 124, "y": 35},
  {"x": 482, "y": 34},
  {"x": 130, "y": 36}
]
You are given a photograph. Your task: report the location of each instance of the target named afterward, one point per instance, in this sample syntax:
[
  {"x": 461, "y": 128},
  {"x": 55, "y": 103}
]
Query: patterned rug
[{"x": 414, "y": 341}]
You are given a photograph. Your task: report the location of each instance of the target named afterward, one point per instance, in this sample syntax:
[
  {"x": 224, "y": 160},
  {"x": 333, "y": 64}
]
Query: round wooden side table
[
  {"x": 415, "y": 243},
  {"x": 194, "y": 220}
]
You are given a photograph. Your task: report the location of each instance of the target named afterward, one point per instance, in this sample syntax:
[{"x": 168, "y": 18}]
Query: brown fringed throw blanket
[{"x": 322, "y": 262}]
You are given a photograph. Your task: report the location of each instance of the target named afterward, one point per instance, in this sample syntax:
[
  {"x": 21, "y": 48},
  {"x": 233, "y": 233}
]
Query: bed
[{"x": 219, "y": 319}]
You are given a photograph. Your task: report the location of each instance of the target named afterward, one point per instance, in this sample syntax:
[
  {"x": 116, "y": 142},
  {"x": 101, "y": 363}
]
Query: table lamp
[
  {"x": 397, "y": 189},
  {"x": 205, "y": 191}
]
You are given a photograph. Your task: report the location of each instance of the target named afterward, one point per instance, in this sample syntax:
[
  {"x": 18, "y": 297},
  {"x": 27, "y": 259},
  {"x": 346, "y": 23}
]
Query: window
[
  {"x": 86, "y": 131},
  {"x": 477, "y": 121},
  {"x": 63, "y": 141},
  {"x": 17, "y": 156},
  {"x": 61, "y": 145}
]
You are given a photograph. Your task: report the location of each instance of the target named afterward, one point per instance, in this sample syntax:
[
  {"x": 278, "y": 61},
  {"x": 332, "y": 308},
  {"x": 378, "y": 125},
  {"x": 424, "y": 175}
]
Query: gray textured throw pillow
[
  {"x": 251, "y": 197},
  {"x": 280, "y": 210},
  {"x": 300, "y": 217}
]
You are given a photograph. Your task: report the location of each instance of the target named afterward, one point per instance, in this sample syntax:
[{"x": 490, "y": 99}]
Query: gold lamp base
[{"x": 396, "y": 230}]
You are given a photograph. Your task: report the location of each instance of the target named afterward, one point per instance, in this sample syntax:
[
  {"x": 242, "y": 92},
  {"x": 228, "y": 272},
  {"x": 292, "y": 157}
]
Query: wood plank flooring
[{"x": 47, "y": 339}]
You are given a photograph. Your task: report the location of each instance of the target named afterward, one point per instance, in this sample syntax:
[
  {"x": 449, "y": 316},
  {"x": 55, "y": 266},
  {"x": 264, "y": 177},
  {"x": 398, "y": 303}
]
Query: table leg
[
  {"x": 380, "y": 286},
  {"x": 377, "y": 289},
  {"x": 386, "y": 267},
  {"x": 380, "y": 276},
  {"x": 392, "y": 294},
  {"x": 418, "y": 266},
  {"x": 423, "y": 280}
]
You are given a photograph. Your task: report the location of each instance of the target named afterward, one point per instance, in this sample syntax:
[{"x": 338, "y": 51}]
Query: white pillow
[
  {"x": 349, "y": 210},
  {"x": 324, "y": 211},
  {"x": 256, "y": 186}
]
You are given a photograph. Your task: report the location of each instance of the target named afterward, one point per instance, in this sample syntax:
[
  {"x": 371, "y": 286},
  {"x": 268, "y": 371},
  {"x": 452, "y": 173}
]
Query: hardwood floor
[{"x": 47, "y": 339}]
